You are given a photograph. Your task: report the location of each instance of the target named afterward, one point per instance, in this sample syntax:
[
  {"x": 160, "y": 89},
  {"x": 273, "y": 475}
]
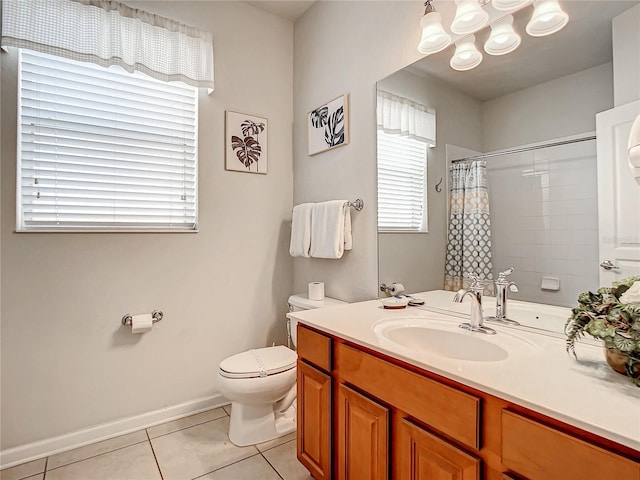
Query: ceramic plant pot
[{"x": 619, "y": 362}]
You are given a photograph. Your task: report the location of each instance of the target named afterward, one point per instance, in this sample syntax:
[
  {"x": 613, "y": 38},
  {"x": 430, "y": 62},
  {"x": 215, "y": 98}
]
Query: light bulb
[
  {"x": 508, "y": 5},
  {"x": 467, "y": 55},
  {"x": 469, "y": 18},
  {"x": 503, "y": 38},
  {"x": 434, "y": 37},
  {"x": 547, "y": 18}
]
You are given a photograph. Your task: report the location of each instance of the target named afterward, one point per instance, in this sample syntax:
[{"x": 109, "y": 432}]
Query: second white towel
[
  {"x": 330, "y": 229},
  {"x": 301, "y": 230}
]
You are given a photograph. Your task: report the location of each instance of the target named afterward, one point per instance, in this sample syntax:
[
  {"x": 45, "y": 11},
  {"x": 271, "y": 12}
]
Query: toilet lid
[{"x": 259, "y": 362}]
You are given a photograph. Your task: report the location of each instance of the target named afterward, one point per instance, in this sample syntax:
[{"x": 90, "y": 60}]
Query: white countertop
[{"x": 540, "y": 376}]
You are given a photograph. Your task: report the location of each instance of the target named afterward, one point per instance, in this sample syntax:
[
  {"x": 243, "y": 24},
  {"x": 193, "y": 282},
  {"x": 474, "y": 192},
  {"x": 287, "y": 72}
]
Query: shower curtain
[{"x": 469, "y": 237}]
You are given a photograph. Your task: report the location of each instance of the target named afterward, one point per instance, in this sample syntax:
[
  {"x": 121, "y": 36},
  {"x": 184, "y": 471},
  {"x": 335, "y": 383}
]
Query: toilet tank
[{"x": 301, "y": 302}]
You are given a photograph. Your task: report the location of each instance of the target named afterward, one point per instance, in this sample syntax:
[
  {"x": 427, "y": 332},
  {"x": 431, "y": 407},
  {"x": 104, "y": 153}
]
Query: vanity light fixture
[
  {"x": 503, "y": 38},
  {"x": 470, "y": 17},
  {"x": 434, "y": 37},
  {"x": 467, "y": 55},
  {"x": 548, "y": 17}
]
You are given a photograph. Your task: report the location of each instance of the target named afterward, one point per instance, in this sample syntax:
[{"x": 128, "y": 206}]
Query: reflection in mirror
[
  {"x": 406, "y": 130},
  {"x": 522, "y": 127}
]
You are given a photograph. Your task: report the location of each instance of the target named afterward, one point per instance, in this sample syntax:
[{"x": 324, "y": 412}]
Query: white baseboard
[{"x": 50, "y": 446}]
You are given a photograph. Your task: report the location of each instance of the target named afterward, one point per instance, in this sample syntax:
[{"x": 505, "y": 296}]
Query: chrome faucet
[
  {"x": 502, "y": 288},
  {"x": 475, "y": 290}
]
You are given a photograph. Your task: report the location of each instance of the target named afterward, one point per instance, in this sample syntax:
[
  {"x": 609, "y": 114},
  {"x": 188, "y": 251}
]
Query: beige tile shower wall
[
  {"x": 544, "y": 213},
  {"x": 67, "y": 363},
  {"x": 544, "y": 220}
]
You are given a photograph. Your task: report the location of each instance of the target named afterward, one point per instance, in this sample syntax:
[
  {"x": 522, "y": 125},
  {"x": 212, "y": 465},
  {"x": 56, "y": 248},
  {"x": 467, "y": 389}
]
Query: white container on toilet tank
[{"x": 261, "y": 384}]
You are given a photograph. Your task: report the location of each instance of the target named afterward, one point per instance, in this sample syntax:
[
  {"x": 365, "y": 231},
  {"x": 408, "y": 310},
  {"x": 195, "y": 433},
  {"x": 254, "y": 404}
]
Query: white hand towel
[
  {"x": 348, "y": 238},
  {"x": 301, "y": 230},
  {"x": 328, "y": 220}
]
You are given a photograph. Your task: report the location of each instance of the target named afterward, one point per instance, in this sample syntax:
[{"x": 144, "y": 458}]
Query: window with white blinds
[
  {"x": 402, "y": 174},
  {"x": 103, "y": 149}
]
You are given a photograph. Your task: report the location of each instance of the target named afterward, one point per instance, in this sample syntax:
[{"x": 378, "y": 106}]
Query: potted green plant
[{"x": 612, "y": 314}]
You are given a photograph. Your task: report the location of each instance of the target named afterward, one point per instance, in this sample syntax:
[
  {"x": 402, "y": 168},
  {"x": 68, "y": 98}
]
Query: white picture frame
[
  {"x": 246, "y": 143},
  {"x": 328, "y": 126}
]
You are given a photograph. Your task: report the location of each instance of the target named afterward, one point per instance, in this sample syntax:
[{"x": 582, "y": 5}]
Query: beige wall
[
  {"x": 67, "y": 363},
  {"x": 555, "y": 109},
  {"x": 346, "y": 47},
  {"x": 626, "y": 56}
]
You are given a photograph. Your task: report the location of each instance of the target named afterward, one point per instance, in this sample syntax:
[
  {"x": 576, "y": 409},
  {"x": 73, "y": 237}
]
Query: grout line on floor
[
  {"x": 46, "y": 464},
  {"x": 276, "y": 446},
  {"x": 94, "y": 456},
  {"x": 183, "y": 428},
  {"x": 274, "y": 468},
  {"x": 154, "y": 454},
  {"x": 225, "y": 466}
]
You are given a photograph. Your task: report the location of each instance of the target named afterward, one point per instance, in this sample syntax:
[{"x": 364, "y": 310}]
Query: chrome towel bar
[{"x": 358, "y": 204}]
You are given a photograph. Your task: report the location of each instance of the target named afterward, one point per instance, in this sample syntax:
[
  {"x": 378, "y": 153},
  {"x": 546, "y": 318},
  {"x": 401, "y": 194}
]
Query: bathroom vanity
[{"x": 408, "y": 395}]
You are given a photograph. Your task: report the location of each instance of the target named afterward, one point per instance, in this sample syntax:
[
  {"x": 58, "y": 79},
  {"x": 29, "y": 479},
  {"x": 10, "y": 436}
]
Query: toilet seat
[{"x": 260, "y": 362}]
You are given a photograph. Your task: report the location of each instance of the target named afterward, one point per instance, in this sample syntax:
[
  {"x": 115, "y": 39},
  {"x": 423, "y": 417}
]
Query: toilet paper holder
[{"x": 156, "y": 314}]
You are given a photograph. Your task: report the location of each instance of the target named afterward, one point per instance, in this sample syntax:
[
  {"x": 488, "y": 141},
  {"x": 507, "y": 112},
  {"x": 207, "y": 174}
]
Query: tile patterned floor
[{"x": 195, "y": 447}]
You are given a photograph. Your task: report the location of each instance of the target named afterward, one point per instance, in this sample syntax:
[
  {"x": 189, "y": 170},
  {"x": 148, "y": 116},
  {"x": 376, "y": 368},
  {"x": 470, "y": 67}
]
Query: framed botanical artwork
[
  {"x": 328, "y": 125},
  {"x": 246, "y": 143}
]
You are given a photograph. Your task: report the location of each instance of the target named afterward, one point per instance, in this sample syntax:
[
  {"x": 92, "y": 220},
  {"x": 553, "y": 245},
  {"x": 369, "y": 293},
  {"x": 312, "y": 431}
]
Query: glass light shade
[
  {"x": 503, "y": 38},
  {"x": 634, "y": 144},
  {"x": 547, "y": 18},
  {"x": 434, "y": 37},
  {"x": 470, "y": 17},
  {"x": 467, "y": 55},
  {"x": 508, "y": 5}
]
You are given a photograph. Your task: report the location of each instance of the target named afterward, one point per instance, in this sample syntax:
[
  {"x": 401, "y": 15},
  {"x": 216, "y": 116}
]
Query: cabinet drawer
[
  {"x": 539, "y": 452},
  {"x": 450, "y": 411},
  {"x": 314, "y": 348}
]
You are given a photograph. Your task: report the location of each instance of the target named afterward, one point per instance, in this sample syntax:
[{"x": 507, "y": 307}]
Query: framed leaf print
[
  {"x": 328, "y": 125},
  {"x": 246, "y": 143}
]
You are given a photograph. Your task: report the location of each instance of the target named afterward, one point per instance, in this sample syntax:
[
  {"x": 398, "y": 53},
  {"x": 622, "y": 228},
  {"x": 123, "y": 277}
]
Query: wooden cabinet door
[
  {"x": 363, "y": 437},
  {"x": 540, "y": 452},
  {"x": 314, "y": 421},
  {"x": 424, "y": 456}
]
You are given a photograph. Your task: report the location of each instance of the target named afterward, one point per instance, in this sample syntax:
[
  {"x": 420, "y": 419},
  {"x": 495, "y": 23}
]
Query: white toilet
[{"x": 261, "y": 385}]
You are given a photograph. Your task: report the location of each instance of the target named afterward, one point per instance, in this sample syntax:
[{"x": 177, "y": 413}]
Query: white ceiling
[
  {"x": 288, "y": 9},
  {"x": 585, "y": 42}
]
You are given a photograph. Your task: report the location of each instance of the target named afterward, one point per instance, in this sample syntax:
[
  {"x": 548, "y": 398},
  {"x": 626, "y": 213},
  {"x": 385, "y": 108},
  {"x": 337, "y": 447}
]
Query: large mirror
[{"x": 542, "y": 200}]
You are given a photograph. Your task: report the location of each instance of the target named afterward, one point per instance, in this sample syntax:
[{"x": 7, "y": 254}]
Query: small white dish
[{"x": 395, "y": 302}]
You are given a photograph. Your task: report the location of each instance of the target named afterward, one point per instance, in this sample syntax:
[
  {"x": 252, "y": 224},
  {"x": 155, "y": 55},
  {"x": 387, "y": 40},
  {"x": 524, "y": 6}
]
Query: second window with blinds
[
  {"x": 100, "y": 149},
  {"x": 402, "y": 176}
]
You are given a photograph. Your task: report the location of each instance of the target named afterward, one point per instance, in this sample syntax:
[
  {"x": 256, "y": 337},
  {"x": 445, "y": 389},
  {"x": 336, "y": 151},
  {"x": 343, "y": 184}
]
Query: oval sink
[
  {"x": 458, "y": 345},
  {"x": 446, "y": 339}
]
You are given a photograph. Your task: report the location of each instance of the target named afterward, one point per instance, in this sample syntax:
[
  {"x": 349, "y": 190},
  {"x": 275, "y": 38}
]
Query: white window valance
[
  {"x": 405, "y": 117},
  {"x": 108, "y": 33}
]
